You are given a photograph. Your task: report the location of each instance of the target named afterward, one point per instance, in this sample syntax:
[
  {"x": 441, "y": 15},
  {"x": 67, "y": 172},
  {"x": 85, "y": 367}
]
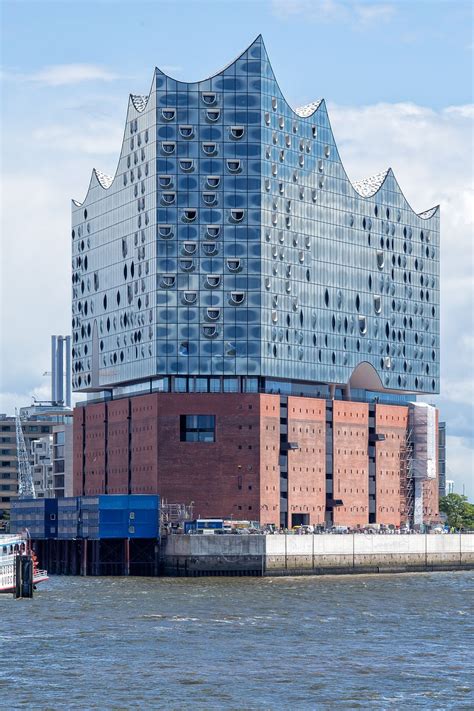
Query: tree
[{"x": 459, "y": 511}]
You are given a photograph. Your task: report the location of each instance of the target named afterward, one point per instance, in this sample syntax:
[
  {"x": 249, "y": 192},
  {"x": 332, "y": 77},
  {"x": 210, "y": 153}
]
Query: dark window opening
[{"x": 198, "y": 428}]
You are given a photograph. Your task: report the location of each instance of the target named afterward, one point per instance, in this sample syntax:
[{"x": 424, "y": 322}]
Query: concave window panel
[
  {"x": 380, "y": 259},
  {"x": 189, "y": 215},
  {"x": 168, "y": 114},
  {"x": 209, "y": 98},
  {"x": 186, "y": 165},
  {"x": 237, "y": 215},
  {"x": 186, "y": 131},
  {"x": 233, "y": 264},
  {"x": 165, "y": 231},
  {"x": 210, "y": 149},
  {"x": 237, "y": 297},
  {"x": 168, "y": 198},
  {"x": 189, "y": 297},
  {"x": 362, "y": 325},
  {"x": 209, "y": 198},
  {"x": 210, "y": 331},
  {"x": 165, "y": 181},
  {"x": 213, "y": 231},
  {"x": 237, "y": 132},
  {"x": 187, "y": 265},
  {"x": 168, "y": 147},
  {"x": 213, "y": 314},
  {"x": 233, "y": 165},
  {"x": 168, "y": 281},
  {"x": 377, "y": 304},
  {"x": 213, "y": 181},
  {"x": 213, "y": 281},
  {"x": 189, "y": 247},
  {"x": 209, "y": 248},
  {"x": 213, "y": 115},
  {"x": 183, "y": 348}
]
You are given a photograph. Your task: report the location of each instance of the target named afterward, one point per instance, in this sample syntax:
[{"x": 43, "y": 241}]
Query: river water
[{"x": 364, "y": 642}]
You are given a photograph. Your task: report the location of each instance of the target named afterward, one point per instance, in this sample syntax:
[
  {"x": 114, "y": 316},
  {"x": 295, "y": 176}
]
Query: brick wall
[
  {"x": 391, "y": 421},
  {"x": 351, "y": 462},
  {"x": 307, "y": 464}
]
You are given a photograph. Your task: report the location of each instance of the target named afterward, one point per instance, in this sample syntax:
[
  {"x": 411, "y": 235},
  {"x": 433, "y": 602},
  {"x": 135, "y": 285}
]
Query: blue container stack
[
  {"x": 94, "y": 517},
  {"x": 39, "y": 516},
  {"x": 68, "y": 517}
]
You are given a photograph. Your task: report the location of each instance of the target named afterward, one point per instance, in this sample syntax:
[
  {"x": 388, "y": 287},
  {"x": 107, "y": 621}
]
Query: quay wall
[{"x": 191, "y": 555}]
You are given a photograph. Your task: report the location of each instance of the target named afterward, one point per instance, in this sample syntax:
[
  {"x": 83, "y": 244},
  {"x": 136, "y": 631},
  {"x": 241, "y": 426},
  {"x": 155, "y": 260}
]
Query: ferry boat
[{"x": 10, "y": 547}]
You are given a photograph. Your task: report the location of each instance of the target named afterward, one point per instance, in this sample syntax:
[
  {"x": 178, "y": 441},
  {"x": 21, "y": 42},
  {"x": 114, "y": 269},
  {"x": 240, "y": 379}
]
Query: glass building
[{"x": 231, "y": 251}]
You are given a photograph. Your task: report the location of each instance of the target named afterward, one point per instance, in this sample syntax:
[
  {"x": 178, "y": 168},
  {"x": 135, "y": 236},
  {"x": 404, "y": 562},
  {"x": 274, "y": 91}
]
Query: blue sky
[{"x": 397, "y": 77}]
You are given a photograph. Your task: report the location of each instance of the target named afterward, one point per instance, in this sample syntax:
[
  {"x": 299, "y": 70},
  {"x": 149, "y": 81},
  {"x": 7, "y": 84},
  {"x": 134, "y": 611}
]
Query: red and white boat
[{"x": 10, "y": 547}]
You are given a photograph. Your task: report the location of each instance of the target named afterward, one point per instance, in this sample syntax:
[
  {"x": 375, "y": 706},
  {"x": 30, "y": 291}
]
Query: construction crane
[{"x": 26, "y": 487}]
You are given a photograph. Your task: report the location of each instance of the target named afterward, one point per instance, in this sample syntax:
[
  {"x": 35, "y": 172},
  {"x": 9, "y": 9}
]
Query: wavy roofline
[
  {"x": 97, "y": 174},
  {"x": 139, "y": 102}
]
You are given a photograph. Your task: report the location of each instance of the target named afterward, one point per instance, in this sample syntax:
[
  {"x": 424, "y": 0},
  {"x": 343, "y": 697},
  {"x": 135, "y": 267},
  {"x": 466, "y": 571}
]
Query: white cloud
[{"x": 62, "y": 75}]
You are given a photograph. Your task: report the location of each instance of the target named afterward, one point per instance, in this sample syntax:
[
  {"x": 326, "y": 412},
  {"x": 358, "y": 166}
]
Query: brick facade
[
  {"x": 351, "y": 462},
  {"x": 307, "y": 463},
  {"x": 392, "y": 422},
  {"x": 133, "y": 445}
]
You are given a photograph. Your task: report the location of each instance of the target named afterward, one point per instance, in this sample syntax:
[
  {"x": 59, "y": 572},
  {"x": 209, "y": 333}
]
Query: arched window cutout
[
  {"x": 186, "y": 131},
  {"x": 237, "y": 297},
  {"x": 209, "y": 149},
  {"x": 233, "y": 165},
  {"x": 213, "y": 280},
  {"x": 209, "y": 248},
  {"x": 165, "y": 231},
  {"x": 237, "y": 132},
  {"x": 209, "y": 98},
  {"x": 190, "y": 297},
  {"x": 189, "y": 215},
  {"x": 213, "y": 231},
  {"x": 168, "y": 114},
  {"x": 168, "y": 147},
  {"x": 167, "y": 281},
  {"x": 213, "y": 314}
]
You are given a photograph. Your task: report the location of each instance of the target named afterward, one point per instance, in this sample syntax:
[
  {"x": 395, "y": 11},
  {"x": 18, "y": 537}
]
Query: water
[{"x": 368, "y": 642}]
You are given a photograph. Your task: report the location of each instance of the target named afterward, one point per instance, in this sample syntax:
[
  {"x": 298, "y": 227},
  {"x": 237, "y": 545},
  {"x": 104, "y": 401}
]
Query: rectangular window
[{"x": 198, "y": 428}]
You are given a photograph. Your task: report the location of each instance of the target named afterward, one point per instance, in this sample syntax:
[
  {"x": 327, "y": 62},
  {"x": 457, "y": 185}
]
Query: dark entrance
[{"x": 299, "y": 519}]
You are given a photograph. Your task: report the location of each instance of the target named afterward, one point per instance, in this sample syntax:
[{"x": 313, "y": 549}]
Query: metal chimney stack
[
  {"x": 54, "y": 395},
  {"x": 59, "y": 344}
]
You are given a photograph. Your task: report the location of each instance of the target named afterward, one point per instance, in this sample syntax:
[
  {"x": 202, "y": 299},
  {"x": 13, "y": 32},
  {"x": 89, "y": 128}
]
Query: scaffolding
[
  {"x": 172, "y": 515},
  {"x": 407, "y": 488},
  {"x": 26, "y": 487}
]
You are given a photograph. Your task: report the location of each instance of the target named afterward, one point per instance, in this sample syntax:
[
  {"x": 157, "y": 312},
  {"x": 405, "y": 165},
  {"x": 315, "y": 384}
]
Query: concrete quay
[{"x": 321, "y": 554}]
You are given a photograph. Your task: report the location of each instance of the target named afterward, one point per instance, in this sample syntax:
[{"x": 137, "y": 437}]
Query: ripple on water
[{"x": 375, "y": 642}]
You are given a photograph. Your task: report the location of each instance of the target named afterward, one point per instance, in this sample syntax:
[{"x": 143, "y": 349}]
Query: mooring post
[
  {"x": 126, "y": 570},
  {"x": 84, "y": 558},
  {"x": 23, "y": 576}
]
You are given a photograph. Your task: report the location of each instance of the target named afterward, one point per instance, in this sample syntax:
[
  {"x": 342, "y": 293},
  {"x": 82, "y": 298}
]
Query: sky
[{"x": 397, "y": 77}]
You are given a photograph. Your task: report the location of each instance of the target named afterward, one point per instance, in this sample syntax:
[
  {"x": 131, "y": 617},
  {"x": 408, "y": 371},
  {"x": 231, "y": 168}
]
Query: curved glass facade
[{"x": 231, "y": 242}]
